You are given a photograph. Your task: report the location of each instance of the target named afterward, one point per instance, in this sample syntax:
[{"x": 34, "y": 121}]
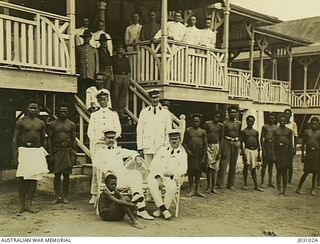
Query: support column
[
  {"x": 305, "y": 62},
  {"x": 164, "y": 41},
  {"x": 101, "y": 7},
  {"x": 225, "y": 44},
  {"x": 250, "y": 31},
  {"x": 72, "y": 26}
]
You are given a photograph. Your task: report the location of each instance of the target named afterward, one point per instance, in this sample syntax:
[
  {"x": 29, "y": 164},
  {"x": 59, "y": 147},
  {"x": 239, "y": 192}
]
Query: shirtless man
[
  {"x": 267, "y": 144},
  {"x": 311, "y": 160},
  {"x": 230, "y": 148},
  {"x": 250, "y": 149},
  {"x": 62, "y": 147},
  {"x": 214, "y": 131},
  {"x": 29, "y": 154},
  {"x": 282, "y": 138},
  {"x": 195, "y": 143}
]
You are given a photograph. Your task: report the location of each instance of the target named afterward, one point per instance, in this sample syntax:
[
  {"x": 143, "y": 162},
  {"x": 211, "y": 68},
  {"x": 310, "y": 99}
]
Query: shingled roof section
[{"x": 307, "y": 29}]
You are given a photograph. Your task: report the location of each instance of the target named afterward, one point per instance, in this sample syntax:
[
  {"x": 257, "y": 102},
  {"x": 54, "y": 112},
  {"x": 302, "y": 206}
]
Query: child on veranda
[
  {"x": 113, "y": 207},
  {"x": 250, "y": 149}
]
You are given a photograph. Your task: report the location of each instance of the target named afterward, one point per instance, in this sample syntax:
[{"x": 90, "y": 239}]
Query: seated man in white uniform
[
  {"x": 109, "y": 157},
  {"x": 167, "y": 166}
]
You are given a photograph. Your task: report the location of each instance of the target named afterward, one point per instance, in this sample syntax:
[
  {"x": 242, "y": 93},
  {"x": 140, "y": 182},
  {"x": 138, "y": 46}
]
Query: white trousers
[{"x": 169, "y": 186}]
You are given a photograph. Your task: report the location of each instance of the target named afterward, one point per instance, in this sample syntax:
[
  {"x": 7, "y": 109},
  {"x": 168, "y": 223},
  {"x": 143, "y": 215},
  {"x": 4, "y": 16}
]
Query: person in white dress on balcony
[
  {"x": 192, "y": 34},
  {"x": 133, "y": 31},
  {"x": 96, "y": 37},
  {"x": 208, "y": 36},
  {"x": 78, "y": 32},
  {"x": 176, "y": 29}
]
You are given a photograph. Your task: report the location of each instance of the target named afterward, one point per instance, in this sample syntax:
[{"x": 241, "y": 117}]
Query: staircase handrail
[
  {"x": 81, "y": 107},
  {"x": 142, "y": 94}
]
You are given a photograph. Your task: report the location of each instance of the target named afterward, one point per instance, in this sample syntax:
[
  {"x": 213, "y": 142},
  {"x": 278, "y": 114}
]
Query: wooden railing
[
  {"x": 138, "y": 99},
  {"x": 311, "y": 98},
  {"x": 239, "y": 83},
  {"x": 274, "y": 91},
  {"x": 35, "y": 39},
  {"x": 241, "y": 86},
  {"x": 84, "y": 117},
  {"x": 186, "y": 64}
]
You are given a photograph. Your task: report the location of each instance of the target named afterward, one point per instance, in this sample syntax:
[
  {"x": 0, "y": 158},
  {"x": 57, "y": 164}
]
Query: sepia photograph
[{"x": 159, "y": 118}]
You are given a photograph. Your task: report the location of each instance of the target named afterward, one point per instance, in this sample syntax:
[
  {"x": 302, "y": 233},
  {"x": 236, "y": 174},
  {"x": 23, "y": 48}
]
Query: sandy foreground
[{"x": 231, "y": 213}]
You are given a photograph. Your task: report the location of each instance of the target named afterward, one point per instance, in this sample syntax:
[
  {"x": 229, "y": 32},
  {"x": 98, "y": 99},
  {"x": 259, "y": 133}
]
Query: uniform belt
[
  {"x": 252, "y": 148},
  {"x": 233, "y": 139},
  {"x": 121, "y": 73},
  {"x": 62, "y": 144},
  {"x": 29, "y": 144}
]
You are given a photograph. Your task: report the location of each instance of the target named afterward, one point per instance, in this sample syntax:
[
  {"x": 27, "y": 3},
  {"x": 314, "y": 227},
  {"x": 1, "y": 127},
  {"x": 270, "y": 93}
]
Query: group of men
[
  {"x": 217, "y": 146},
  {"x": 99, "y": 69},
  {"x": 160, "y": 158},
  {"x": 176, "y": 30},
  {"x": 161, "y": 155}
]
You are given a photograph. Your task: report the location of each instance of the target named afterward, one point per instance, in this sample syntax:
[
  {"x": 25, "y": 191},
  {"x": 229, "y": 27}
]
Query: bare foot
[
  {"x": 271, "y": 185},
  {"x": 214, "y": 191},
  {"x": 207, "y": 191},
  {"x": 55, "y": 201},
  {"x": 298, "y": 191},
  {"x": 138, "y": 225},
  {"x": 199, "y": 194},
  {"x": 259, "y": 189},
  {"x": 262, "y": 185},
  {"x": 231, "y": 188},
  {"x": 18, "y": 213},
  {"x": 64, "y": 200},
  {"x": 279, "y": 192},
  {"x": 244, "y": 188},
  {"x": 31, "y": 210},
  {"x": 313, "y": 193},
  {"x": 284, "y": 193},
  {"x": 191, "y": 193}
]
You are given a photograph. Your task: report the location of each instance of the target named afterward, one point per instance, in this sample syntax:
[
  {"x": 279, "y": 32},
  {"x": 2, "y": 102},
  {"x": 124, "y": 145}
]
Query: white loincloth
[
  {"x": 252, "y": 157},
  {"x": 32, "y": 163}
]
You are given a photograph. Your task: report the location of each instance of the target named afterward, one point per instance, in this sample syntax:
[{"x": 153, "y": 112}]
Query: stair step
[{"x": 78, "y": 184}]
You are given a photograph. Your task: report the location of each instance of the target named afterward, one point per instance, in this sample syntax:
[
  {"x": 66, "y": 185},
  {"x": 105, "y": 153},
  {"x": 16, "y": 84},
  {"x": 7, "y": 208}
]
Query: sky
[{"x": 283, "y": 9}]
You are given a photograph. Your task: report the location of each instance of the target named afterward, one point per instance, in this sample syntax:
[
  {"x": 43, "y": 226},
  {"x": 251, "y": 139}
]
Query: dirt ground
[{"x": 231, "y": 213}]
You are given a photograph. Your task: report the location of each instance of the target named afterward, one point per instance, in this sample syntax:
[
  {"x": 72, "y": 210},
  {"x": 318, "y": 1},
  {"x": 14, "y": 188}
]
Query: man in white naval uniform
[
  {"x": 153, "y": 126},
  {"x": 110, "y": 157},
  {"x": 192, "y": 34},
  {"x": 103, "y": 118},
  {"x": 176, "y": 29},
  {"x": 167, "y": 166},
  {"x": 208, "y": 36}
]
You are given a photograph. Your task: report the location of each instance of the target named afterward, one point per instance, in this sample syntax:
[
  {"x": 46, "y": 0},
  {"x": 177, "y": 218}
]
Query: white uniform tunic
[
  {"x": 171, "y": 160},
  {"x": 132, "y": 33},
  {"x": 192, "y": 35},
  {"x": 152, "y": 129},
  {"x": 111, "y": 159},
  {"x": 175, "y": 29},
  {"x": 208, "y": 38}
]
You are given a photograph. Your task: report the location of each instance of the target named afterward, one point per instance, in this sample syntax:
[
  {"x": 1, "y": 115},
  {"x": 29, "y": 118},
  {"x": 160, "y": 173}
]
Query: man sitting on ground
[{"x": 113, "y": 207}]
